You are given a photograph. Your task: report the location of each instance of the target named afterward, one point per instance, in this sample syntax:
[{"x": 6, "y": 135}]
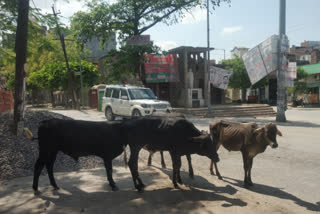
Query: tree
[
  {"x": 239, "y": 78},
  {"x": 131, "y": 18},
  {"x": 54, "y": 76},
  {"x": 300, "y": 86}
]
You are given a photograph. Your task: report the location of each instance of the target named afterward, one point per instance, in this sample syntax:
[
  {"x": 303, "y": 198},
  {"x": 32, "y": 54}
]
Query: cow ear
[
  {"x": 279, "y": 133},
  {"x": 259, "y": 130}
]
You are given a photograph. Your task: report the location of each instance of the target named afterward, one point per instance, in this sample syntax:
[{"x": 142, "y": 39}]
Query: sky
[{"x": 245, "y": 23}]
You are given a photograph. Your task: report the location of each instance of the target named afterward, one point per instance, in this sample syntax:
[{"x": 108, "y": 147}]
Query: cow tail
[
  {"x": 29, "y": 134},
  {"x": 125, "y": 158}
]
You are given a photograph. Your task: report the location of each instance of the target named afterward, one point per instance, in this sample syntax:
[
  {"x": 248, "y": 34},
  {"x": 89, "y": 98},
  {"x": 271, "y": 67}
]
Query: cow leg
[
  {"x": 150, "y": 158},
  {"x": 174, "y": 169},
  {"x": 211, "y": 168},
  {"x": 179, "y": 180},
  {"x": 133, "y": 165},
  {"x": 191, "y": 175},
  {"x": 163, "y": 164},
  {"x": 217, "y": 171},
  {"x": 245, "y": 167},
  {"x": 108, "y": 166},
  {"x": 49, "y": 165},
  {"x": 249, "y": 171},
  {"x": 37, "y": 171},
  {"x": 215, "y": 166}
]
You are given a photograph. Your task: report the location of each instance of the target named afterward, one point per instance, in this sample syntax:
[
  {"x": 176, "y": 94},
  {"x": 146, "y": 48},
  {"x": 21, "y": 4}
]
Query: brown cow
[{"x": 244, "y": 137}]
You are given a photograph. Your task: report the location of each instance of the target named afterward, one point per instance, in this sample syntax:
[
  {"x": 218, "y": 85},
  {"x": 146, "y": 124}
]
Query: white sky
[{"x": 246, "y": 23}]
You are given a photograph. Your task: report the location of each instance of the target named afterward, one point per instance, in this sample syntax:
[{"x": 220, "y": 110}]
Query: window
[
  {"x": 124, "y": 93},
  {"x": 116, "y": 93},
  {"x": 108, "y": 92},
  {"x": 141, "y": 93}
]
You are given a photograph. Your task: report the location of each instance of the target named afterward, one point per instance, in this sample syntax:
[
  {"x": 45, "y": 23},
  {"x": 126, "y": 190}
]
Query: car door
[
  {"x": 106, "y": 98},
  {"x": 124, "y": 106},
  {"x": 115, "y": 101}
]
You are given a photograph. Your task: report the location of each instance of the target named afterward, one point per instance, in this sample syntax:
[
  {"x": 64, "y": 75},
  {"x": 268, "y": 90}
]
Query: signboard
[
  {"x": 161, "y": 68},
  {"x": 262, "y": 59},
  {"x": 290, "y": 74},
  {"x": 219, "y": 77},
  {"x": 139, "y": 40}
]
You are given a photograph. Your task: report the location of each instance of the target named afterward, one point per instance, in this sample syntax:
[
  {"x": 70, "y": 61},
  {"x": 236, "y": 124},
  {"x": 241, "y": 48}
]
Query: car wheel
[
  {"x": 136, "y": 113},
  {"x": 109, "y": 115}
]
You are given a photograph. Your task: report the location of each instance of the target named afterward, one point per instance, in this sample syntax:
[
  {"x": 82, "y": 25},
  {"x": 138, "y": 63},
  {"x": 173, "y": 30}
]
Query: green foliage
[
  {"x": 55, "y": 77},
  {"x": 300, "y": 86},
  {"x": 131, "y": 17},
  {"x": 239, "y": 78}
]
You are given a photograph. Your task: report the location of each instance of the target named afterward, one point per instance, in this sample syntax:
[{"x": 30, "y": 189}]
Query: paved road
[
  {"x": 287, "y": 179},
  {"x": 291, "y": 171}
]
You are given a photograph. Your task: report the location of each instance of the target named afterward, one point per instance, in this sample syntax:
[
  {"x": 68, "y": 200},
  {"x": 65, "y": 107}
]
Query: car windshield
[{"x": 141, "y": 93}]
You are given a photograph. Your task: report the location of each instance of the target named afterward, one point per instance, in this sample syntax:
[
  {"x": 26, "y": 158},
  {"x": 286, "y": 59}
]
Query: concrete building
[
  {"x": 98, "y": 53},
  {"x": 313, "y": 82},
  {"x": 238, "y": 51}
]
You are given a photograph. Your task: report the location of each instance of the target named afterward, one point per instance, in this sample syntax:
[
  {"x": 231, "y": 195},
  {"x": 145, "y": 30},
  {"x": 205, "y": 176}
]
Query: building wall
[
  {"x": 315, "y": 56},
  {"x": 239, "y": 52},
  {"x": 6, "y": 101}
]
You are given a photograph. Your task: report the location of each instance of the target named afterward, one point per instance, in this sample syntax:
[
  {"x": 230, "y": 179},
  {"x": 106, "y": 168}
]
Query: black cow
[
  {"x": 77, "y": 138},
  {"x": 176, "y": 135}
]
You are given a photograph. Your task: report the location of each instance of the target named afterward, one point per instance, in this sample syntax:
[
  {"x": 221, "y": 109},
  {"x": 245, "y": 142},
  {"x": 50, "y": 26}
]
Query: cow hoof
[
  {"x": 176, "y": 186},
  {"x": 140, "y": 188},
  {"x": 115, "y": 188},
  {"x": 180, "y": 182},
  {"x": 56, "y": 188},
  {"x": 37, "y": 192},
  {"x": 212, "y": 173},
  {"x": 220, "y": 178}
]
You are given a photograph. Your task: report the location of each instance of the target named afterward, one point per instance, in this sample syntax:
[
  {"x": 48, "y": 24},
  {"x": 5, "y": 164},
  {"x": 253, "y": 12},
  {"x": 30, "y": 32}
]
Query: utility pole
[
  {"x": 75, "y": 103},
  {"x": 21, "y": 55},
  {"x": 208, "y": 64},
  {"x": 81, "y": 83},
  {"x": 281, "y": 90}
]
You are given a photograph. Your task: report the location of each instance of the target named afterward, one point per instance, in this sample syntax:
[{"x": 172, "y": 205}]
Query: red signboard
[{"x": 161, "y": 68}]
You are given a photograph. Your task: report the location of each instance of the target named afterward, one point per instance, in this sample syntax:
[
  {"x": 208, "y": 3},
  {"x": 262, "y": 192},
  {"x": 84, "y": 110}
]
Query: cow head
[
  {"x": 216, "y": 129},
  {"x": 208, "y": 146},
  {"x": 268, "y": 134}
]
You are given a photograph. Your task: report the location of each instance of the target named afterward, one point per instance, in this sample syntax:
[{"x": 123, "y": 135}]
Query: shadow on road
[
  {"x": 200, "y": 182},
  {"x": 157, "y": 197},
  {"x": 276, "y": 192}
]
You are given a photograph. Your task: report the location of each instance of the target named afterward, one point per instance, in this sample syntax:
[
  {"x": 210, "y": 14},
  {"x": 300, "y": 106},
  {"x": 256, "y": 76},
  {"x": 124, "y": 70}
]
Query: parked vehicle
[{"x": 131, "y": 101}]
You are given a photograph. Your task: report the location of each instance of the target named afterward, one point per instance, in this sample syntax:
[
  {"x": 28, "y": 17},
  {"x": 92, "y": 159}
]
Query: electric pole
[
  {"x": 281, "y": 90},
  {"x": 21, "y": 55},
  {"x": 72, "y": 92},
  {"x": 208, "y": 64}
]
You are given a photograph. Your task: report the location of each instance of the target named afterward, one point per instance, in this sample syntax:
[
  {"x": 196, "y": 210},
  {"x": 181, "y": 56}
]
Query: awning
[
  {"x": 313, "y": 84},
  {"x": 311, "y": 69}
]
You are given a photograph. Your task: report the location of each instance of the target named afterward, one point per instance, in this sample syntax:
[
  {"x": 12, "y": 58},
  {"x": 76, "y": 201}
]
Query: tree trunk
[
  {"x": 21, "y": 51},
  {"x": 243, "y": 95},
  {"x": 52, "y": 99}
]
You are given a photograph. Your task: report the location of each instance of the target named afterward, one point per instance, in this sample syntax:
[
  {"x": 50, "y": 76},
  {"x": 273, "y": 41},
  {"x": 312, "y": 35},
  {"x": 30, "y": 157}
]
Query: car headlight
[{"x": 146, "y": 105}]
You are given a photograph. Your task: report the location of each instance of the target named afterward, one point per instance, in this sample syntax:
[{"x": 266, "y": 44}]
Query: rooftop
[
  {"x": 189, "y": 49},
  {"x": 311, "y": 69}
]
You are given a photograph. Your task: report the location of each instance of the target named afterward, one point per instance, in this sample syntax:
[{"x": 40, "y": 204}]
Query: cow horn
[
  {"x": 259, "y": 130},
  {"x": 279, "y": 133}
]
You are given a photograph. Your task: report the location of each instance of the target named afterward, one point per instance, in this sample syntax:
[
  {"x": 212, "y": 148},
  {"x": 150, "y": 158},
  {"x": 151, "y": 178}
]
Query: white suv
[{"x": 128, "y": 101}]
